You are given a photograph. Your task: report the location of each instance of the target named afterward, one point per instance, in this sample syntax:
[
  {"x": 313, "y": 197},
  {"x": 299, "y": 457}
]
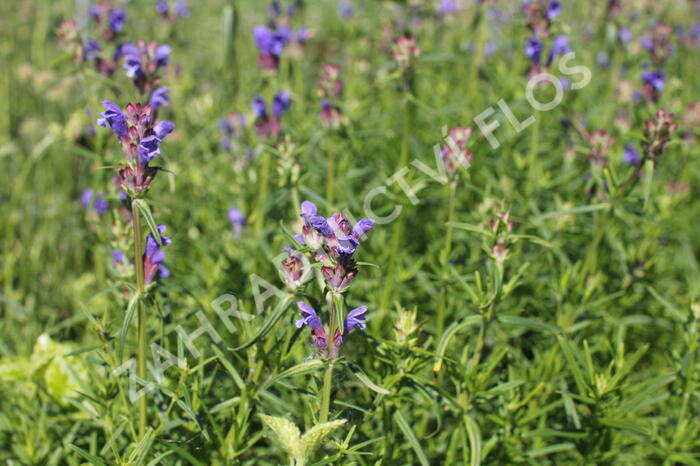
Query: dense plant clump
[{"x": 455, "y": 232}]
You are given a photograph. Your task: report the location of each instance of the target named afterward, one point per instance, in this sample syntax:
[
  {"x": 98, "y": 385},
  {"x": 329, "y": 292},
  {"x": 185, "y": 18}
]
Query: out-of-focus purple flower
[
  {"x": 355, "y": 318},
  {"x": 302, "y": 35},
  {"x": 270, "y": 44},
  {"x": 553, "y": 9},
  {"x": 654, "y": 82},
  {"x": 308, "y": 317},
  {"x": 160, "y": 97},
  {"x": 275, "y": 9},
  {"x": 259, "y": 107},
  {"x": 625, "y": 36},
  {"x": 116, "y": 19},
  {"x": 490, "y": 48},
  {"x": 237, "y": 220},
  {"x": 113, "y": 116},
  {"x": 143, "y": 63},
  {"x": 162, "y": 8},
  {"x": 91, "y": 49},
  {"x": 345, "y": 9},
  {"x": 154, "y": 256},
  {"x": 647, "y": 43},
  {"x": 181, "y": 9},
  {"x": 162, "y": 55},
  {"x": 100, "y": 205},
  {"x": 117, "y": 257},
  {"x": 630, "y": 156},
  {"x": 281, "y": 104},
  {"x": 86, "y": 197},
  {"x": 560, "y": 46},
  {"x": 603, "y": 59},
  {"x": 695, "y": 34},
  {"x": 533, "y": 49},
  {"x": 447, "y": 7},
  {"x": 656, "y": 79}
]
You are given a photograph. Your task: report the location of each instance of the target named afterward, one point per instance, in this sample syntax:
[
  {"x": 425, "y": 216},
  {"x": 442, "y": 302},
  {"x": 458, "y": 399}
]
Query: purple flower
[
  {"x": 101, "y": 204},
  {"x": 533, "y": 49},
  {"x": 280, "y": 104},
  {"x": 181, "y": 9},
  {"x": 362, "y": 227},
  {"x": 259, "y": 108},
  {"x": 86, "y": 197},
  {"x": 116, "y": 19},
  {"x": 302, "y": 35},
  {"x": 163, "y": 128},
  {"x": 270, "y": 42},
  {"x": 153, "y": 256},
  {"x": 237, "y": 219},
  {"x": 553, "y": 10},
  {"x": 308, "y": 211},
  {"x": 345, "y": 9},
  {"x": 447, "y": 7},
  {"x": 162, "y": 55},
  {"x": 114, "y": 117},
  {"x": 647, "y": 43},
  {"x": 308, "y": 317},
  {"x": 355, "y": 319},
  {"x": 625, "y": 36},
  {"x": 630, "y": 156},
  {"x": 91, "y": 49},
  {"x": 148, "y": 149},
  {"x": 160, "y": 97},
  {"x": 603, "y": 59},
  {"x": 118, "y": 257},
  {"x": 655, "y": 79},
  {"x": 560, "y": 46},
  {"x": 162, "y": 7}
]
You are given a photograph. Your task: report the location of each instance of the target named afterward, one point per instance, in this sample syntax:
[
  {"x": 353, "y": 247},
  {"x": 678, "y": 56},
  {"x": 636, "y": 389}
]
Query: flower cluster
[
  {"x": 272, "y": 39},
  {"x": 330, "y": 87},
  {"x": 657, "y": 133},
  {"x": 266, "y": 125},
  {"x": 455, "y": 153},
  {"x": 98, "y": 202},
  {"x": 140, "y": 136},
  {"x": 405, "y": 52},
  {"x": 332, "y": 242},
  {"x": 539, "y": 15},
  {"x": 109, "y": 18},
  {"x": 658, "y": 43},
  {"x": 501, "y": 226},
  {"x": 534, "y": 48},
  {"x": 319, "y": 335},
  {"x": 599, "y": 143},
  {"x": 231, "y": 127},
  {"x": 154, "y": 256},
  {"x": 143, "y": 64},
  {"x": 654, "y": 82},
  {"x": 173, "y": 12}
]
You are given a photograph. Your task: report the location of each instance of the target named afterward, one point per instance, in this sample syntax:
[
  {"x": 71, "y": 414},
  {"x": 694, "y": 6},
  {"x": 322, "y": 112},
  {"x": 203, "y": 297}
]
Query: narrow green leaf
[
  {"x": 128, "y": 317},
  {"x": 474, "y": 440},
  {"x": 268, "y": 324},
  {"x": 648, "y": 177},
  {"x": 528, "y": 322},
  {"x": 305, "y": 367},
  {"x": 148, "y": 216},
  {"x": 411, "y": 437},
  {"x": 88, "y": 456},
  {"x": 371, "y": 385},
  {"x": 450, "y": 332}
]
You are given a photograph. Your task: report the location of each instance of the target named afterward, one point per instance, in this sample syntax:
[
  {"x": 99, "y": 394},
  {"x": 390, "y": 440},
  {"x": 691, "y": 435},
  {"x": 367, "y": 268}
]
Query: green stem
[
  {"x": 330, "y": 175},
  {"x": 262, "y": 193},
  {"x": 140, "y": 287},
  {"x": 328, "y": 376},
  {"x": 533, "y": 173},
  {"x": 445, "y": 256}
]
